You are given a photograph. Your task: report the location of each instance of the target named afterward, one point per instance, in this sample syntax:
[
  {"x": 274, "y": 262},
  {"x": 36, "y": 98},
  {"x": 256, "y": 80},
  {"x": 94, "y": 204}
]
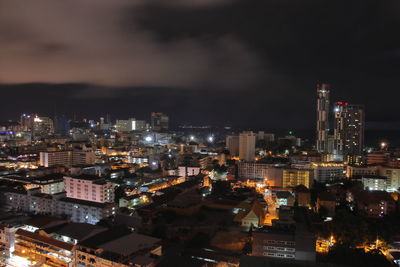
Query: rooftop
[
  {"x": 44, "y": 239},
  {"x": 85, "y": 202},
  {"x": 84, "y": 177},
  {"x": 129, "y": 244},
  {"x": 78, "y": 231}
]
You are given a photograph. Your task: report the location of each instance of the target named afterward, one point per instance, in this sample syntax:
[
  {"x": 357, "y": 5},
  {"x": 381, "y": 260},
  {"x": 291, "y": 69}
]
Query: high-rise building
[
  {"x": 124, "y": 125},
  {"x": 159, "y": 121},
  {"x": 61, "y": 125},
  {"x": 84, "y": 156},
  {"x": 138, "y": 125},
  {"x": 232, "y": 144},
  {"x": 39, "y": 126},
  {"x": 323, "y": 91},
  {"x": 247, "y": 146},
  {"x": 27, "y": 122},
  {"x": 131, "y": 124},
  {"x": 349, "y": 129}
]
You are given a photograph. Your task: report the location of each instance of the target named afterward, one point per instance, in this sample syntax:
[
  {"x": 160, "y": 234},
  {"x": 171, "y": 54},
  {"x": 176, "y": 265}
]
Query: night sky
[{"x": 244, "y": 63}]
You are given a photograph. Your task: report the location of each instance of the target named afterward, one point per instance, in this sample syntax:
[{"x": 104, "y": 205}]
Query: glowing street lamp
[
  {"x": 210, "y": 139},
  {"x": 383, "y": 145},
  {"x": 148, "y": 138}
]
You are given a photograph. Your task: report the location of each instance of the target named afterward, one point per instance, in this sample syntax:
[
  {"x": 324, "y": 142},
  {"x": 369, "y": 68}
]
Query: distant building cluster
[{"x": 130, "y": 192}]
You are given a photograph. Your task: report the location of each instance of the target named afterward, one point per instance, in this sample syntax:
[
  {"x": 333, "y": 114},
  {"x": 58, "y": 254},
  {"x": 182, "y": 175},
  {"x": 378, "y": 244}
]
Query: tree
[
  {"x": 348, "y": 229},
  {"x": 220, "y": 188},
  {"x": 344, "y": 255},
  {"x": 119, "y": 193}
]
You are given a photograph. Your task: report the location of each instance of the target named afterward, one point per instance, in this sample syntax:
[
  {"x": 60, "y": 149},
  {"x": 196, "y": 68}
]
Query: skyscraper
[
  {"x": 349, "y": 129},
  {"x": 43, "y": 126},
  {"x": 323, "y": 91},
  {"x": 159, "y": 121},
  {"x": 61, "y": 125},
  {"x": 232, "y": 144},
  {"x": 247, "y": 146}
]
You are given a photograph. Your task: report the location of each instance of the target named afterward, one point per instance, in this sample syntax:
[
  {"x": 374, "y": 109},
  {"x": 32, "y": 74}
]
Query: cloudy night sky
[{"x": 239, "y": 62}]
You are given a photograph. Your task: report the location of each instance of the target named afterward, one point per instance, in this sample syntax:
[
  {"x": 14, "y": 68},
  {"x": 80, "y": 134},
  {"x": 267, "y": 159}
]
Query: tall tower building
[
  {"x": 323, "y": 91},
  {"x": 349, "y": 129},
  {"x": 159, "y": 121},
  {"x": 232, "y": 144},
  {"x": 247, "y": 146},
  {"x": 27, "y": 122}
]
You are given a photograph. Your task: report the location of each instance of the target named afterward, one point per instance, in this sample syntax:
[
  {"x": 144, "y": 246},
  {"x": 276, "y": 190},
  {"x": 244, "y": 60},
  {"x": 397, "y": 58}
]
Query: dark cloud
[{"x": 75, "y": 41}]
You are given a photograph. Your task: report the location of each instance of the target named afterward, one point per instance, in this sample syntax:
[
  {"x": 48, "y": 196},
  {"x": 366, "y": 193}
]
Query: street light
[
  {"x": 383, "y": 145},
  {"x": 210, "y": 139},
  {"x": 148, "y": 139}
]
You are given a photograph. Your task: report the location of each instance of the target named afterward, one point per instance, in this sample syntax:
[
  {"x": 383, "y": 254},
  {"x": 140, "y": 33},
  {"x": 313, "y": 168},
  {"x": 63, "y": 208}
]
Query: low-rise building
[
  {"x": 116, "y": 247},
  {"x": 250, "y": 214},
  {"x": 286, "y": 243},
  {"x": 393, "y": 177},
  {"x": 375, "y": 204},
  {"x": 89, "y": 188},
  {"x": 186, "y": 171},
  {"x": 43, "y": 249},
  {"x": 294, "y": 177},
  {"x": 284, "y": 198},
  {"x": 77, "y": 210},
  {"x": 352, "y": 171},
  {"x": 303, "y": 196},
  {"x": 325, "y": 172}
]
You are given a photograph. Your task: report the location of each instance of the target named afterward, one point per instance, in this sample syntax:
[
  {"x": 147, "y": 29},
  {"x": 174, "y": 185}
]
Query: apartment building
[
  {"x": 287, "y": 243},
  {"x": 77, "y": 156},
  {"x": 295, "y": 177},
  {"x": 89, "y": 188},
  {"x": 32, "y": 201}
]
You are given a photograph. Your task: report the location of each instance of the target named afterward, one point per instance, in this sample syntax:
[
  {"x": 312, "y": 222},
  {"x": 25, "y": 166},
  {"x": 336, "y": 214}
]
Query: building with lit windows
[
  {"x": 159, "y": 121},
  {"x": 374, "y": 182},
  {"x": 349, "y": 129},
  {"x": 289, "y": 244},
  {"x": 129, "y": 125},
  {"x": 393, "y": 177},
  {"x": 232, "y": 144},
  {"x": 38, "y": 126},
  {"x": 78, "y": 156},
  {"x": 53, "y": 158},
  {"x": 325, "y": 172},
  {"x": 43, "y": 249},
  {"x": 295, "y": 177},
  {"x": 378, "y": 157},
  {"x": 352, "y": 171},
  {"x": 89, "y": 188},
  {"x": 43, "y": 126},
  {"x": 247, "y": 146},
  {"x": 323, "y": 91},
  {"x": 77, "y": 210},
  {"x": 259, "y": 170}
]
